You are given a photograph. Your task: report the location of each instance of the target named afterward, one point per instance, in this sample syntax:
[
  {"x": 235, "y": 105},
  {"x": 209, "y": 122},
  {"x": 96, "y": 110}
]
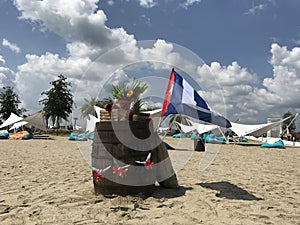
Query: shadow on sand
[
  {"x": 161, "y": 192},
  {"x": 230, "y": 191}
]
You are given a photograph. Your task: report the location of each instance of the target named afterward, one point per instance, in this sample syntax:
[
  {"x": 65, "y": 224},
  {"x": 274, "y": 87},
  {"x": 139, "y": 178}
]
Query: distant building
[{"x": 276, "y": 131}]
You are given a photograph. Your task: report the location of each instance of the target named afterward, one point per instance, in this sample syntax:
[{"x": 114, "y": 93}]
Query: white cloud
[
  {"x": 2, "y": 60},
  {"x": 255, "y": 9},
  {"x": 285, "y": 83},
  {"x": 11, "y": 46},
  {"x": 7, "y": 76},
  {"x": 147, "y": 3},
  {"x": 226, "y": 86},
  {"x": 35, "y": 75},
  {"x": 188, "y": 3},
  {"x": 77, "y": 20},
  {"x": 237, "y": 87}
]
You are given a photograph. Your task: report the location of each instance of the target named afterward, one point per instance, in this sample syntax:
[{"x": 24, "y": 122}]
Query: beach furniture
[
  {"x": 273, "y": 143},
  {"x": 4, "y": 134}
]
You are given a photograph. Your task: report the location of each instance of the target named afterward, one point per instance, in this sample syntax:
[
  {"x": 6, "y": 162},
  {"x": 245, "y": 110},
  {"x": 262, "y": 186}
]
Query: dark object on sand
[{"x": 199, "y": 145}]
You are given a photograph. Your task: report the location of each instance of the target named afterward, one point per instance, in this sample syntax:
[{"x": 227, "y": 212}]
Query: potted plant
[
  {"x": 136, "y": 109},
  {"x": 127, "y": 97}
]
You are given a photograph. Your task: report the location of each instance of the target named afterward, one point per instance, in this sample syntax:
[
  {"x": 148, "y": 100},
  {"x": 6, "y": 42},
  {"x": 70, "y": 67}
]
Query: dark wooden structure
[{"x": 121, "y": 144}]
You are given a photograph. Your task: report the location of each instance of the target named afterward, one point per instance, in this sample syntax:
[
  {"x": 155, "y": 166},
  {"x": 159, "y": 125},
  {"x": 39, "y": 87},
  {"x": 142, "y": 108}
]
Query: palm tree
[{"x": 88, "y": 108}]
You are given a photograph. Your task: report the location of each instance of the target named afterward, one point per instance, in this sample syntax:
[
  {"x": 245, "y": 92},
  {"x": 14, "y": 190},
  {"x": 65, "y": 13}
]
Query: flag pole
[{"x": 222, "y": 132}]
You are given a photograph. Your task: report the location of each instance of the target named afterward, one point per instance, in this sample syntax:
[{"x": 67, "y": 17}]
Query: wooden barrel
[{"x": 109, "y": 154}]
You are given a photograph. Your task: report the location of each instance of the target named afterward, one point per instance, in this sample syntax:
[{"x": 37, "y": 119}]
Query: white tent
[
  {"x": 13, "y": 118},
  {"x": 18, "y": 124},
  {"x": 254, "y": 130}
]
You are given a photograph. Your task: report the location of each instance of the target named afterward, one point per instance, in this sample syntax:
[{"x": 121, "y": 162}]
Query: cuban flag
[{"x": 182, "y": 98}]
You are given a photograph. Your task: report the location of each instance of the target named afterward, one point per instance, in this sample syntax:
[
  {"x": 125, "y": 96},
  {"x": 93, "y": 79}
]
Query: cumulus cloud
[
  {"x": 147, "y": 3},
  {"x": 285, "y": 83},
  {"x": 34, "y": 77},
  {"x": 226, "y": 86},
  {"x": 234, "y": 91},
  {"x": 7, "y": 76},
  {"x": 13, "y": 47},
  {"x": 78, "y": 20}
]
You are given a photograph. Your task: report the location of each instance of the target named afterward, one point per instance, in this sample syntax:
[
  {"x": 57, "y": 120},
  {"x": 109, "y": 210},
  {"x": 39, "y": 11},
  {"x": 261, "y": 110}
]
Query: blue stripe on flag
[{"x": 185, "y": 100}]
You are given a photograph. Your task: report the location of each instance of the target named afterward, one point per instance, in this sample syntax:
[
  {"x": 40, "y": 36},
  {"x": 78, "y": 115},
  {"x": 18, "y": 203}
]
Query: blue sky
[
  {"x": 223, "y": 31},
  {"x": 250, "y": 47}
]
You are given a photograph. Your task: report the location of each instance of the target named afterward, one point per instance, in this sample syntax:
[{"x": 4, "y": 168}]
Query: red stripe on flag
[{"x": 168, "y": 94}]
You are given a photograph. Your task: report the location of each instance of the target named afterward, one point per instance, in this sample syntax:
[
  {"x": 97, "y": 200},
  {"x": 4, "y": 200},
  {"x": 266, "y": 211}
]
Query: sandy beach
[{"x": 49, "y": 182}]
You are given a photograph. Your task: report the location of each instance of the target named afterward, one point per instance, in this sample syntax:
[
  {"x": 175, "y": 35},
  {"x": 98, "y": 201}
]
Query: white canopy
[
  {"x": 91, "y": 123},
  {"x": 18, "y": 124},
  {"x": 13, "y": 118},
  {"x": 254, "y": 130},
  {"x": 37, "y": 120},
  {"x": 153, "y": 113},
  {"x": 97, "y": 109},
  {"x": 155, "y": 116},
  {"x": 201, "y": 128}
]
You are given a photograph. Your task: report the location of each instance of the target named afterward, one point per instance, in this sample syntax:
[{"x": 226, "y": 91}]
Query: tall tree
[
  {"x": 9, "y": 103},
  {"x": 289, "y": 122},
  {"x": 59, "y": 100}
]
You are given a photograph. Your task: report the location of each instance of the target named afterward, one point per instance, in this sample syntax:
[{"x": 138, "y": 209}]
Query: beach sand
[{"x": 49, "y": 182}]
